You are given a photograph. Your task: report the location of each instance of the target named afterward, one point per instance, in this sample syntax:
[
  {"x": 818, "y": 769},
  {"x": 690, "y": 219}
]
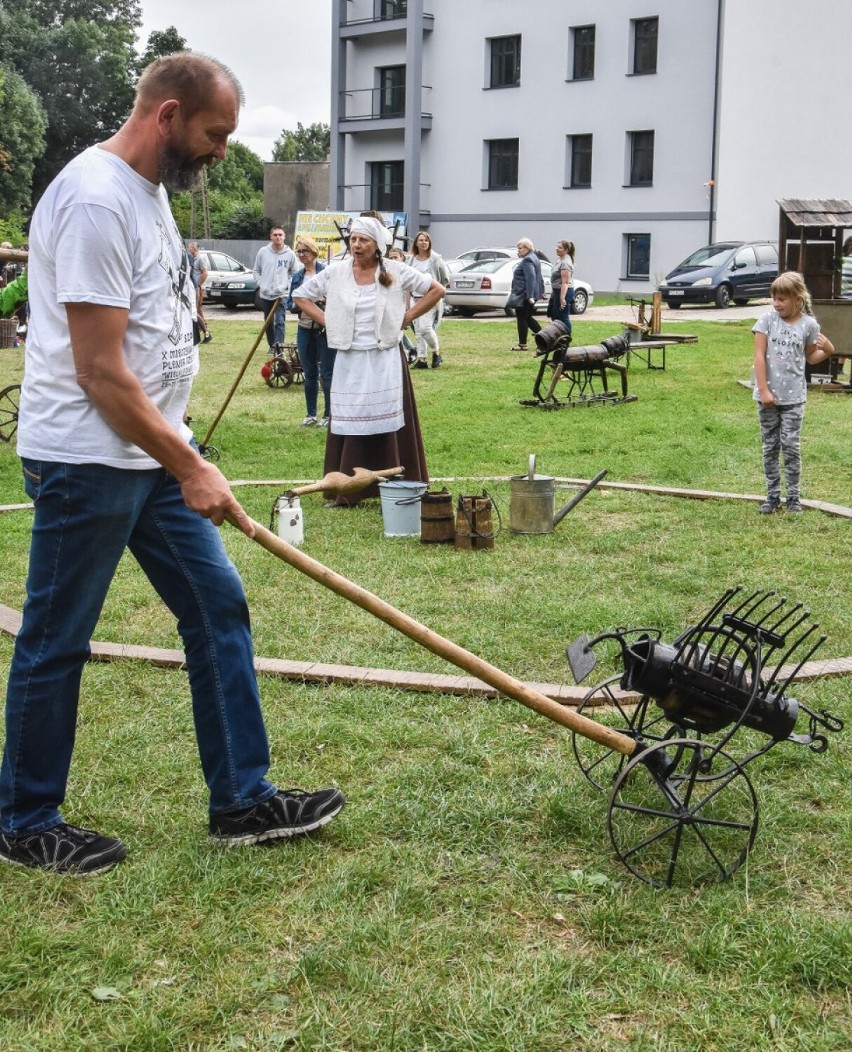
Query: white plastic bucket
[
  {"x": 288, "y": 511},
  {"x": 401, "y": 507}
]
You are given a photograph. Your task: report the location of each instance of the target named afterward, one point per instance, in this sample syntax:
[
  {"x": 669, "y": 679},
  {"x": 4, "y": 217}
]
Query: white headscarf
[{"x": 374, "y": 229}]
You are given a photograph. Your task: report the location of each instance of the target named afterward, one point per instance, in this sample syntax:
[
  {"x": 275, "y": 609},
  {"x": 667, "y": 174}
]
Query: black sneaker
[
  {"x": 769, "y": 506},
  {"x": 63, "y": 849},
  {"x": 437, "y": 361},
  {"x": 794, "y": 508},
  {"x": 291, "y": 812},
  {"x": 421, "y": 363}
]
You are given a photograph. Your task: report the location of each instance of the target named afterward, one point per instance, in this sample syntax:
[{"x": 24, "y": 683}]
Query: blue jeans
[
  {"x": 317, "y": 360},
  {"x": 85, "y": 516},
  {"x": 556, "y": 313},
  {"x": 276, "y": 328}
]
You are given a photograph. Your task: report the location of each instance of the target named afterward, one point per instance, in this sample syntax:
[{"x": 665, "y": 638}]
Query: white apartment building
[{"x": 639, "y": 129}]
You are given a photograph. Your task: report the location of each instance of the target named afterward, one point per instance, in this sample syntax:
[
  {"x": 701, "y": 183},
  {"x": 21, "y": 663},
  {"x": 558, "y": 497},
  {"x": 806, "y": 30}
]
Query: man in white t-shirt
[{"x": 111, "y": 465}]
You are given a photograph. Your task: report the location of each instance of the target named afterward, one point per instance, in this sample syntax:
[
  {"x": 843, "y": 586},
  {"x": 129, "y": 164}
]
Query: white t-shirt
[{"x": 102, "y": 234}]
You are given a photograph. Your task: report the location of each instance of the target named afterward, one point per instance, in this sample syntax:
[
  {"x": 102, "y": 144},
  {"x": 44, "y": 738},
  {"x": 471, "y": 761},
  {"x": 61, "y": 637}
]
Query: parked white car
[{"x": 485, "y": 285}]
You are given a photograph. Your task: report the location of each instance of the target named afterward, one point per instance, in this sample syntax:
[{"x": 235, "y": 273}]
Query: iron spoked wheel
[
  {"x": 601, "y": 765},
  {"x": 682, "y": 813},
  {"x": 9, "y": 398},
  {"x": 209, "y": 452}
]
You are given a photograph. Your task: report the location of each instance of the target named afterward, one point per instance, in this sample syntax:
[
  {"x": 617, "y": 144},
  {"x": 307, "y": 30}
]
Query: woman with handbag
[
  {"x": 316, "y": 356},
  {"x": 527, "y": 289}
]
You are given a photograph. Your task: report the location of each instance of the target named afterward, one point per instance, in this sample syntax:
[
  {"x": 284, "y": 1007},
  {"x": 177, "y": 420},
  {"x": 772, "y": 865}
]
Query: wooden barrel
[
  {"x": 474, "y": 525},
  {"x": 437, "y": 525}
]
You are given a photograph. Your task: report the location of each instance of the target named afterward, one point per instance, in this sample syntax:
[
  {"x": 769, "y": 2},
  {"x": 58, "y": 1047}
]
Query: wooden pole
[
  {"x": 205, "y": 441},
  {"x": 445, "y": 648}
]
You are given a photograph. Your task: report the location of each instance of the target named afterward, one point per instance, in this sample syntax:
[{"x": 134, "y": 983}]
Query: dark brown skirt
[{"x": 392, "y": 449}]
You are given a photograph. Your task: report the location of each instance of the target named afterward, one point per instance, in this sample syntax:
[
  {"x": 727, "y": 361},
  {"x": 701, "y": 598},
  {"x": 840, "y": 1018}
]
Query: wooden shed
[{"x": 810, "y": 239}]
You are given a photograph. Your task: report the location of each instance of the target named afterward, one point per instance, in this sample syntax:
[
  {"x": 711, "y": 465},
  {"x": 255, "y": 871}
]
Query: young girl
[{"x": 784, "y": 338}]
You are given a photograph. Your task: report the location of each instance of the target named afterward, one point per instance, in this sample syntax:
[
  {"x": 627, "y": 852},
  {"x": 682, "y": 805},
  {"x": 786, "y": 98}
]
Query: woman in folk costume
[{"x": 374, "y": 421}]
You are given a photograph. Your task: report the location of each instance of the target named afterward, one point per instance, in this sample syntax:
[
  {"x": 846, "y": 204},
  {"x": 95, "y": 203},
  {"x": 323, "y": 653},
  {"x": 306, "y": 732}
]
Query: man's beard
[{"x": 179, "y": 170}]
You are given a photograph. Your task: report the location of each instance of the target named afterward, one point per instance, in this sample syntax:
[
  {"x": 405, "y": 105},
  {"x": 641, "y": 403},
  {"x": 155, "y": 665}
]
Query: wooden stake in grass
[
  {"x": 267, "y": 321},
  {"x": 445, "y": 648}
]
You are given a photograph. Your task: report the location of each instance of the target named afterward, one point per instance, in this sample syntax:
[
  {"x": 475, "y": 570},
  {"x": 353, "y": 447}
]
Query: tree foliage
[
  {"x": 22, "y": 127},
  {"x": 78, "y": 56},
  {"x": 234, "y": 198},
  {"x": 160, "y": 42},
  {"x": 304, "y": 144}
]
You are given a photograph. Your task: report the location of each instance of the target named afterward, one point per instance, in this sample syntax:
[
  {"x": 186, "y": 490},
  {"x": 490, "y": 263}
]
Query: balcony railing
[{"x": 378, "y": 103}]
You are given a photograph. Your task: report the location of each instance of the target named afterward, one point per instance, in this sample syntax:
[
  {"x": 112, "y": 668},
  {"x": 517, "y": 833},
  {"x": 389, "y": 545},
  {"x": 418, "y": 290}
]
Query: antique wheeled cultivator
[
  {"x": 682, "y": 808},
  {"x": 585, "y": 369}
]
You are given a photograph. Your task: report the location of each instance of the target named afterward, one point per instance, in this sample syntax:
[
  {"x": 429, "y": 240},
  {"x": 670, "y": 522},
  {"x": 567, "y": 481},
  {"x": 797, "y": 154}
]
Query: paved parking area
[{"x": 621, "y": 314}]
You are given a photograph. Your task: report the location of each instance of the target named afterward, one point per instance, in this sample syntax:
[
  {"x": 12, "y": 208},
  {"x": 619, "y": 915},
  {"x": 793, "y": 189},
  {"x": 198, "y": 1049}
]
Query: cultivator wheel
[
  {"x": 682, "y": 813},
  {"x": 9, "y": 398},
  {"x": 281, "y": 372},
  {"x": 209, "y": 452},
  {"x": 602, "y": 765}
]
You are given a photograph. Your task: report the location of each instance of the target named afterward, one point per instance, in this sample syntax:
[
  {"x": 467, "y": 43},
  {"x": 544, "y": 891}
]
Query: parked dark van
[{"x": 727, "y": 271}]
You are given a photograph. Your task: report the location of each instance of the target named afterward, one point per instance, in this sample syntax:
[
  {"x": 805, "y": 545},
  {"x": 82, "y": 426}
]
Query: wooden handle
[
  {"x": 13, "y": 255},
  {"x": 334, "y": 482},
  {"x": 463, "y": 659}
]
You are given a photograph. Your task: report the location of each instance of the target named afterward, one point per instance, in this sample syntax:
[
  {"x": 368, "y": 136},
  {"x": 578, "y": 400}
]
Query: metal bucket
[
  {"x": 532, "y": 499},
  {"x": 401, "y": 507}
]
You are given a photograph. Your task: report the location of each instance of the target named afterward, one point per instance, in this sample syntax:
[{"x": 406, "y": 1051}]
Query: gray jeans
[{"x": 780, "y": 431}]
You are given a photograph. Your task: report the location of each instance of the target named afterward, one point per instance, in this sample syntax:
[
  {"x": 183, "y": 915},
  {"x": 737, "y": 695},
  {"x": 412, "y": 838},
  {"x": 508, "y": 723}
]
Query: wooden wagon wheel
[{"x": 9, "y": 398}]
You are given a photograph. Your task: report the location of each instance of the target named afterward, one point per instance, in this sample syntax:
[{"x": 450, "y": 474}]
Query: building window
[
  {"x": 583, "y": 47},
  {"x": 505, "y": 62},
  {"x": 579, "y": 160},
  {"x": 502, "y": 164},
  {"x": 391, "y": 8},
  {"x": 638, "y": 253},
  {"x": 391, "y": 91},
  {"x": 386, "y": 189},
  {"x": 645, "y": 45},
  {"x": 641, "y": 158}
]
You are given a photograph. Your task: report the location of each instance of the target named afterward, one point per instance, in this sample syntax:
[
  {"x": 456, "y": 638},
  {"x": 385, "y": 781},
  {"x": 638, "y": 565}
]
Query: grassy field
[{"x": 468, "y": 897}]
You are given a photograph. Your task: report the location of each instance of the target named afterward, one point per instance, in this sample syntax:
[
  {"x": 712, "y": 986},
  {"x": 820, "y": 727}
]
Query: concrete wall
[
  {"x": 290, "y": 187},
  {"x": 785, "y": 111}
]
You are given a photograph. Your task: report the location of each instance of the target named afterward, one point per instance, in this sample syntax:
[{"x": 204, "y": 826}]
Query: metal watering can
[{"x": 532, "y": 501}]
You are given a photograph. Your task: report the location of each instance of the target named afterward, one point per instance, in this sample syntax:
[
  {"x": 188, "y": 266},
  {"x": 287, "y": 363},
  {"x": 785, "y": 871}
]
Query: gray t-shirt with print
[{"x": 785, "y": 355}]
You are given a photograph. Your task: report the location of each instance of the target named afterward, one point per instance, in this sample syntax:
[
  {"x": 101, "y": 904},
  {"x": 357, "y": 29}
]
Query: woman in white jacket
[
  {"x": 374, "y": 421},
  {"x": 428, "y": 262}
]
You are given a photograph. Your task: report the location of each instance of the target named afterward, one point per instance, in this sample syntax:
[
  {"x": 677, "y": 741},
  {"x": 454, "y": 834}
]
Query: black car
[{"x": 723, "y": 272}]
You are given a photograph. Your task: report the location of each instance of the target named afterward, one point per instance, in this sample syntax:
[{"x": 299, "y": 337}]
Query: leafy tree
[
  {"x": 22, "y": 127},
  {"x": 304, "y": 144},
  {"x": 234, "y": 197},
  {"x": 78, "y": 56},
  {"x": 160, "y": 43},
  {"x": 240, "y": 174}
]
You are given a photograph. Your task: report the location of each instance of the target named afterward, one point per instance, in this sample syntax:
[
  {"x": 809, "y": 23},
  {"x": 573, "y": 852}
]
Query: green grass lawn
[{"x": 467, "y": 898}]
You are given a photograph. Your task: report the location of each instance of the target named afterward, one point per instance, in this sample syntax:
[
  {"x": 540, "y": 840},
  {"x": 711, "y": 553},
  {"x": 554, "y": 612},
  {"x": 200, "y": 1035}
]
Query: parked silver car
[{"x": 485, "y": 285}]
